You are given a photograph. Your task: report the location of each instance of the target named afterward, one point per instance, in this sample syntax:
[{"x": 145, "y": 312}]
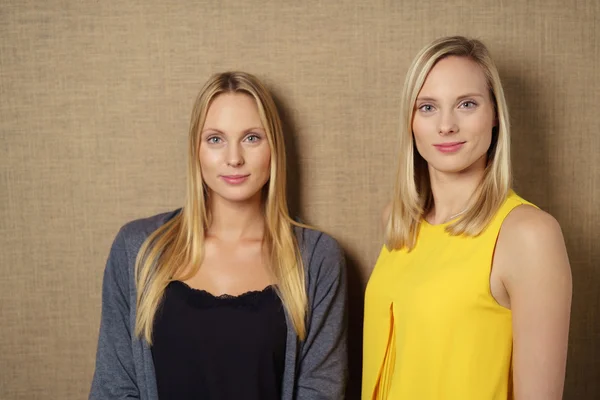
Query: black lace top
[{"x": 225, "y": 347}]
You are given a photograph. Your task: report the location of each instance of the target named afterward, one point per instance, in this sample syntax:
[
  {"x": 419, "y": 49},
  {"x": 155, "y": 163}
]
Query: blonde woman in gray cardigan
[{"x": 227, "y": 297}]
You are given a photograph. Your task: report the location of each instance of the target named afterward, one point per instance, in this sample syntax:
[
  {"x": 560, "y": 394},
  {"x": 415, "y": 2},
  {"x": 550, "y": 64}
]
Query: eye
[
  {"x": 253, "y": 138},
  {"x": 468, "y": 104},
  {"x": 214, "y": 140},
  {"x": 426, "y": 108}
]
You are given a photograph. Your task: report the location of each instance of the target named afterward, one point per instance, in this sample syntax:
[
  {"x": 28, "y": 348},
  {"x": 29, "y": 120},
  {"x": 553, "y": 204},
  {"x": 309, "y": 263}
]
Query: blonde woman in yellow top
[{"x": 470, "y": 297}]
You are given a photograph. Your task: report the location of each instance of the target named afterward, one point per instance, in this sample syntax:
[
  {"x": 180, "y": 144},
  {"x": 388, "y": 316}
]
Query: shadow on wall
[
  {"x": 294, "y": 181},
  {"x": 532, "y": 106},
  {"x": 529, "y": 148},
  {"x": 355, "y": 289},
  {"x": 356, "y": 308}
]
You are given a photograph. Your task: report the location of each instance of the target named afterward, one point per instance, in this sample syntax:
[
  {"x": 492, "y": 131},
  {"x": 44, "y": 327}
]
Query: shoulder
[
  {"x": 529, "y": 226},
  {"x": 316, "y": 243},
  {"x": 532, "y": 243},
  {"x": 320, "y": 251},
  {"x": 137, "y": 231},
  {"x": 120, "y": 265},
  {"x": 133, "y": 234}
]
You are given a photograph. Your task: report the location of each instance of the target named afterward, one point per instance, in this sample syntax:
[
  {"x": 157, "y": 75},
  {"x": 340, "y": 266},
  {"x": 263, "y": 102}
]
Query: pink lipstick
[
  {"x": 449, "y": 147},
  {"x": 235, "y": 179}
]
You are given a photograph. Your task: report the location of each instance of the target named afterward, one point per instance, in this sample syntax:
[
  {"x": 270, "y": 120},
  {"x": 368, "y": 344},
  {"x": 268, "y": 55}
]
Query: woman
[
  {"x": 470, "y": 297},
  {"x": 228, "y": 297}
]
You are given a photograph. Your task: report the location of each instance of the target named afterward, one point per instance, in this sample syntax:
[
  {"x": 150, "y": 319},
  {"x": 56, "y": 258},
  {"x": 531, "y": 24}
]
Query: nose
[
  {"x": 447, "y": 123},
  {"x": 235, "y": 157}
]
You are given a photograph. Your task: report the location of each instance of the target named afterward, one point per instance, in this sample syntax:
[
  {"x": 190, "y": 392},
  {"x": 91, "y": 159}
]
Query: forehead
[
  {"x": 455, "y": 75},
  {"x": 230, "y": 109}
]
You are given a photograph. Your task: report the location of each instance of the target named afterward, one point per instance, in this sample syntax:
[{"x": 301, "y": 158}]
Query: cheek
[
  {"x": 420, "y": 129},
  {"x": 208, "y": 159},
  {"x": 482, "y": 130},
  {"x": 263, "y": 159}
]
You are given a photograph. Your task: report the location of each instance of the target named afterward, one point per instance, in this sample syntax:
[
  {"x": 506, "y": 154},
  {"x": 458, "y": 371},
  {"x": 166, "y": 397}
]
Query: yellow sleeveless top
[{"x": 432, "y": 329}]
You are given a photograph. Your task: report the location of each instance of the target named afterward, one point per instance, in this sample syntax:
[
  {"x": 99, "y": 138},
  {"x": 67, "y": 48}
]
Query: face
[
  {"x": 454, "y": 116},
  {"x": 234, "y": 151}
]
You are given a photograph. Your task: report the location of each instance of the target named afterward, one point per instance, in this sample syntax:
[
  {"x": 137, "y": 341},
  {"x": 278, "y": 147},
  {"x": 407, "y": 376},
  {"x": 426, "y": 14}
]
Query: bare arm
[{"x": 537, "y": 277}]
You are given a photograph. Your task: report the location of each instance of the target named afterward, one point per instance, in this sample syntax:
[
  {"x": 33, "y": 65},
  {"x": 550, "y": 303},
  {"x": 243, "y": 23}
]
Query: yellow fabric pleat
[{"x": 387, "y": 371}]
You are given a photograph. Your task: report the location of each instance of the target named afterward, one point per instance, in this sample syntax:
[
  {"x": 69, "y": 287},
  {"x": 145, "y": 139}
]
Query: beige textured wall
[{"x": 95, "y": 98}]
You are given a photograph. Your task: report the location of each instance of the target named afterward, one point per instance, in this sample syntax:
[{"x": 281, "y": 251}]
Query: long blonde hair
[
  {"x": 412, "y": 192},
  {"x": 175, "y": 250}
]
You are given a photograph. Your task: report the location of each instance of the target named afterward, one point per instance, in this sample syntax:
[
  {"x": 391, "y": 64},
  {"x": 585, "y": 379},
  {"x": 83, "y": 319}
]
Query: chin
[
  {"x": 236, "y": 197},
  {"x": 451, "y": 167},
  {"x": 238, "y": 194}
]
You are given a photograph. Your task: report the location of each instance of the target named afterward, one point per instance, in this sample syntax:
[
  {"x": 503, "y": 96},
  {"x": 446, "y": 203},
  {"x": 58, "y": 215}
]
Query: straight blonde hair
[
  {"x": 175, "y": 250},
  {"x": 412, "y": 193}
]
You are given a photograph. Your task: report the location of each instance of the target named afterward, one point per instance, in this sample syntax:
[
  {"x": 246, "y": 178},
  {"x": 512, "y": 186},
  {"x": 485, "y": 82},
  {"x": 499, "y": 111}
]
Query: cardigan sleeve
[
  {"x": 323, "y": 366},
  {"x": 114, "y": 375}
]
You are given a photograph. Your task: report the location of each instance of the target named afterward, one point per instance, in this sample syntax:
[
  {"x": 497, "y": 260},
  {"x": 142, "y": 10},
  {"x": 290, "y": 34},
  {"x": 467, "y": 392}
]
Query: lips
[
  {"x": 235, "y": 179},
  {"x": 449, "y": 147}
]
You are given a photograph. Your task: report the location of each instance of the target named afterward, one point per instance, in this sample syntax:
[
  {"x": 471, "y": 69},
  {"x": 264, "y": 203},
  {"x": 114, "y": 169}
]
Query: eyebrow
[
  {"x": 464, "y": 96},
  {"x": 215, "y": 130}
]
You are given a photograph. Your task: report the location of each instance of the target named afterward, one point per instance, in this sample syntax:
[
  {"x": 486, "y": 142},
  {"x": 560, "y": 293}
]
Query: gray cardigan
[{"x": 314, "y": 369}]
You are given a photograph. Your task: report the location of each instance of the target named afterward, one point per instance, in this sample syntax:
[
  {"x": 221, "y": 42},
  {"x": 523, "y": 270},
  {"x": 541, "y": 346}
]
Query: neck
[
  {"x": 234, "y": 221},
  {"x": 453, "y": 192}
]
